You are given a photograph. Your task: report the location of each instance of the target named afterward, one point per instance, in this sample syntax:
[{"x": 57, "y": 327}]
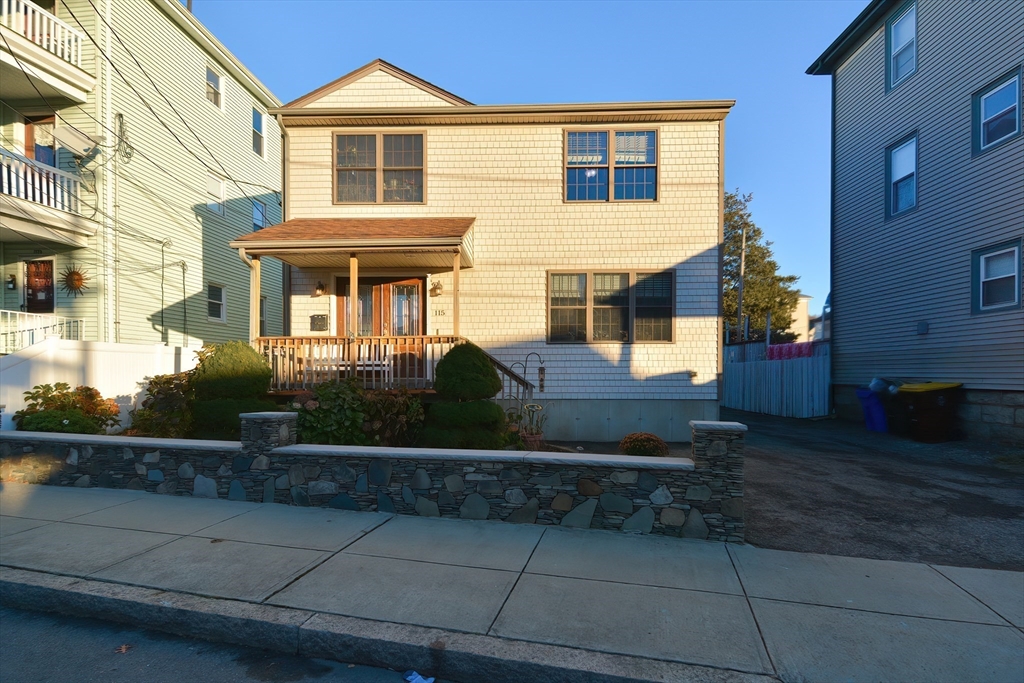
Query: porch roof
[{"x": 428, "y": 243}]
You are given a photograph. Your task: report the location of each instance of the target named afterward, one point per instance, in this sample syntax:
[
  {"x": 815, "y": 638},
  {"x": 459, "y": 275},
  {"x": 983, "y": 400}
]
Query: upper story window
[
  {"x": 901, "y": 43},
  {"x": 215, "y": 194},
  {"x": 996, "y": 277},
  {"x": 594, "y": 175},
  {"x": 619, "y": 307},
  {"x": 259, "y": 215},
  {"x": 997, "y": 112},
  {"x": 379, "y": 168},
  {"x": 257, "y": 131},
  {"x": 901, "y": 169},
  {"x": 214, "y": 93}
]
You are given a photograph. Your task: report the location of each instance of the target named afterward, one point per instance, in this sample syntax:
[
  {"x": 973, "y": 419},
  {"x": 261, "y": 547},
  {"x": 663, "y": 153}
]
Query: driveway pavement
[
  {"x": 832, "y": 487},
  {"x": 728, "y": 612}
]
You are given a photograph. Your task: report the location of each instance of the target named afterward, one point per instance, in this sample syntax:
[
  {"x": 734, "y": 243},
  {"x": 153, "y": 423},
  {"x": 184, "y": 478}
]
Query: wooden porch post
[
  {"x": 353, "y": 308},
  {"x": 455, "y": 293},
  {"x": 254, "y": 299}
]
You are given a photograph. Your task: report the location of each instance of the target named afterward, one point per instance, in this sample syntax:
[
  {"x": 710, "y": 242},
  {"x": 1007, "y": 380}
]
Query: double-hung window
[
  {"x": 213, "y": 88},
  {"x": 997, "y": 112},
  {"x": 259, "y": 215},
  {"x": 379, "y": 168},
  {"x": 215, "y": 194},
  {"x": 901, "y": 172},
  {"x": 615, "y": 307},
  {"x": 216, "y": 303},
  {"x": 257, "y": 131},
  {"x": 901, "y": 45},
  {"x": 626, "y": 172},
  {"x": 996, "y": 275}
]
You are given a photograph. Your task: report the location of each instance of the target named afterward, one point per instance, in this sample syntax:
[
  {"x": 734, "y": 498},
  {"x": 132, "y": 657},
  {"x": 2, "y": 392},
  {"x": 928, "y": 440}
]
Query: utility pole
[{"x": 739, "y": 289}]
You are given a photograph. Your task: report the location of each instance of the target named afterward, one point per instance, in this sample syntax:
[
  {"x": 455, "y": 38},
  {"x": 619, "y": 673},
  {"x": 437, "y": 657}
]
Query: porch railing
[
  {"x": 24, "y": 178},
  {"x": 301, "y": 363},
  {"x": 19, "y": 330},
  {"x": 42, "y": 28}
]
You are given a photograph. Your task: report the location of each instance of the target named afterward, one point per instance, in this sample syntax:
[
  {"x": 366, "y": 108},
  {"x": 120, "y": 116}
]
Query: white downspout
[{"x": 286, "y": 304}]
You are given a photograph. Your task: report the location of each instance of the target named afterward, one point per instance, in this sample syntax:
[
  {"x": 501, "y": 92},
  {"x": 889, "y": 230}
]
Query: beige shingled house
[{"x": 577, "y": 244}]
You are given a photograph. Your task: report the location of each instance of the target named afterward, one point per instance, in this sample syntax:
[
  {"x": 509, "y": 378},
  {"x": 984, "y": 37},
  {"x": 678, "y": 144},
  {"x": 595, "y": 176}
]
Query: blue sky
[{"x": 777, "y": 136}]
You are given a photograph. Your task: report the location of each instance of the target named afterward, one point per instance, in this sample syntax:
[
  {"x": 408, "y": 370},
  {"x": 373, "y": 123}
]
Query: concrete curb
[{"x": 436, "y": 652}]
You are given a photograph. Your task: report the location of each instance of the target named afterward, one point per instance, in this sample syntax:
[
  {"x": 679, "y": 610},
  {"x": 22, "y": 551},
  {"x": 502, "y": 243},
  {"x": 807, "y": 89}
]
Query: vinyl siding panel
[
  {"x": 510, "y": 179},
  {"x": 890, "y": 275}
]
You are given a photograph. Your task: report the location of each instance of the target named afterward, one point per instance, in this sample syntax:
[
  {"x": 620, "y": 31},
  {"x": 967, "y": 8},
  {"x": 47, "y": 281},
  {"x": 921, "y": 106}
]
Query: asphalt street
[{"x": 47, "y": 648}]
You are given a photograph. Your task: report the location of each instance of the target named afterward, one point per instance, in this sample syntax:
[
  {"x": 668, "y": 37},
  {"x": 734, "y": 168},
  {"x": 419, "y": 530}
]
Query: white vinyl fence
[
  {"x": 794, "y": 387},
  {"x": 118, "y": 371}
]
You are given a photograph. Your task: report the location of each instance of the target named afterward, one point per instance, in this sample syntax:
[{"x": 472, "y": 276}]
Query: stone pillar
[
  {"x": 717, "y": 453},
  {"x": 263, "y": 432}
]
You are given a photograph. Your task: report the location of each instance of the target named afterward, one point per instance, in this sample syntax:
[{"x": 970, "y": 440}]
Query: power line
[{"x": 223, "y": 170}]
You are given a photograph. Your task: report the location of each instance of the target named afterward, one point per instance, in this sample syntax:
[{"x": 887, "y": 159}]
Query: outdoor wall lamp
[
  {"x": 436, "y": 288},
  {"x": 321, "y": 289},
  {"x": 12, "y": 282}
]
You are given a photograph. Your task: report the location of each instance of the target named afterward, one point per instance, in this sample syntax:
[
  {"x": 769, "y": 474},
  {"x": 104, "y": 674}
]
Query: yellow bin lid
[{"x": 929, "y": 386}]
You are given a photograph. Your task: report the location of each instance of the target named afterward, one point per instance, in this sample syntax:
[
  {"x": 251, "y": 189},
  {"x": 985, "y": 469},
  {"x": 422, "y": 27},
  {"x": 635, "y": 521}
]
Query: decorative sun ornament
[{"x": 73, "y": 280}]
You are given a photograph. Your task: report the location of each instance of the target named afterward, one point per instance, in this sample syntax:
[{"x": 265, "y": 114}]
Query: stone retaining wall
[{"x": 698, "y": 498}]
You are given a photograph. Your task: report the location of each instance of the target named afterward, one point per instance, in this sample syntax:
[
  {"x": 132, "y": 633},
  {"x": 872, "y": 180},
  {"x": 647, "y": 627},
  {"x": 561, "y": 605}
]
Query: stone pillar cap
[
  {"x": 270, "y": 415},
  {"x": 710, "y": 426}
]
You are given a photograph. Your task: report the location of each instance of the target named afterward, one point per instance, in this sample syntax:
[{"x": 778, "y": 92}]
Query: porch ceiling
[{"x": 423, "y": 243}]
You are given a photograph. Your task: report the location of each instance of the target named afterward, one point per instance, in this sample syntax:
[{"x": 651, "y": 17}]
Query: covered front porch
[{"x": 379, "y": 336}]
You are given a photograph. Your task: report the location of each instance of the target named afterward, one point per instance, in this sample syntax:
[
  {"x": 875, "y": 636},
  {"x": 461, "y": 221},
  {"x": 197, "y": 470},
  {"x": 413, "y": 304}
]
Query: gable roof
[
  {"x": 851, "y": 37},
  {"x": 377, "y": 65}
]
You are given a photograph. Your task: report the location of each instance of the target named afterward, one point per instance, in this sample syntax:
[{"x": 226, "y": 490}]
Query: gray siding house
[{"x": 928, "y": 204}]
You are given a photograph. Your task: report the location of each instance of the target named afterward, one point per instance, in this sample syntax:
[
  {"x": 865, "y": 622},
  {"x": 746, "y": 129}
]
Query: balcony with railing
[
  {"x": 409, "y": 362},
  {"x": 42, "y": 28},
  {"x": 19, "y": 330},
  {"x": 41, "y": 54},
  {"x": 26, "y": 179}
]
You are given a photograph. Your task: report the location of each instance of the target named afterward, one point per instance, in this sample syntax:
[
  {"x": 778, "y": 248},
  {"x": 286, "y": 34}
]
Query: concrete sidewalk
[{"x": 491, "y": 601}]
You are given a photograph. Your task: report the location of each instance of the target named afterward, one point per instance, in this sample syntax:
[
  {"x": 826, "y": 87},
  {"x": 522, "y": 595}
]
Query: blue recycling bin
[{"x": 874, "y": 411}]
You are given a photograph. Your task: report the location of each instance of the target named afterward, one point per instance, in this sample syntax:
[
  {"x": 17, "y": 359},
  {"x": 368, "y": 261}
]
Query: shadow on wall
[{"x": 209, "y": 298}]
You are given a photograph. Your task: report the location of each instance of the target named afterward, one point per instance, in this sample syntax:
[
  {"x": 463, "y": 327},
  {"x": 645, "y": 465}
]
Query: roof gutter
[
  {"x": 824, "y": 65},
  {"x": 716, "y": 106},
  {"x": 422, "y": 243}
]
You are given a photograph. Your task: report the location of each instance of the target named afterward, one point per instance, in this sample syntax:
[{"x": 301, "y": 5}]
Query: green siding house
[
  {"x": 133, "y": 148},
  {"x": 928, "y": 204}
]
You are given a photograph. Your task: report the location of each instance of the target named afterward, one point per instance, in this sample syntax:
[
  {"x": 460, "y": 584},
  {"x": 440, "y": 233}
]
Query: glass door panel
[{"x": 405, "y": 309}]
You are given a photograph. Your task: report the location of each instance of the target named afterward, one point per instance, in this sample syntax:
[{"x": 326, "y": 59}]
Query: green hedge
[
  {"x": 230, "y": 371},
  {"x": 471, "y": 414},
  {"x": 218, "y": 418},
  {"x": 72, "y": 421}
]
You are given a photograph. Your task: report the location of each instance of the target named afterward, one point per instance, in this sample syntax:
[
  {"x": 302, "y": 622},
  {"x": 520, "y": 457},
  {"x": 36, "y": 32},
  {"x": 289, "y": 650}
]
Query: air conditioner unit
[{"x": 75, "y": 141}]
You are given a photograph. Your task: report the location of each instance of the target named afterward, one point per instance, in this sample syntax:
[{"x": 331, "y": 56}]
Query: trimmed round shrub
[
  {"x": 466, "y": 374},
  {"x": 72, "y": 421},
  {"x": 476, "y": 438},
  {"x": 470, "y": 414},
  {"x": 218, "y": 418},
  {"x": 231, "y": 371},
  {"x": 643, "y": 443}
]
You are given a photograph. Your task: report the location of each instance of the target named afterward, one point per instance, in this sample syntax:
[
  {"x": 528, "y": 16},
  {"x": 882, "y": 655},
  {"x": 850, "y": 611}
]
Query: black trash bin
[{"x": 931, "y": 410}]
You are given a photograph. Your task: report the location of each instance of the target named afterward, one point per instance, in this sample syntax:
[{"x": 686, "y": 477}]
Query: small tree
[{"x": 764, "y": 289}]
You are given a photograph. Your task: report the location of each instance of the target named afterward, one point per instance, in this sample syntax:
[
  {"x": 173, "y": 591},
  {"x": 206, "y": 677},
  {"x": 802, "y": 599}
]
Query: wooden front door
[
  {"x": 39, "y": 286},
  {"x": 388, "y": 307}
]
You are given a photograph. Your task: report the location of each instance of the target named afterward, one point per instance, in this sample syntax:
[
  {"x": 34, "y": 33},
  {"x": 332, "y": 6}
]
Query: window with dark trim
[
  {"x": 257, "y": 131},
  {"x": 996, "y": 277},
  {"x": 378, "y": 168},
  {"x": 263, "y": 316},
  {"x": 216, "y": 303},
  {"x": 996, "y": 112},
  {"x": 627, "y": 172},
  {"x": 901, "y": 45},
  {"x": 901, "y": 176},
  {"x": 610, "y": 307}
]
